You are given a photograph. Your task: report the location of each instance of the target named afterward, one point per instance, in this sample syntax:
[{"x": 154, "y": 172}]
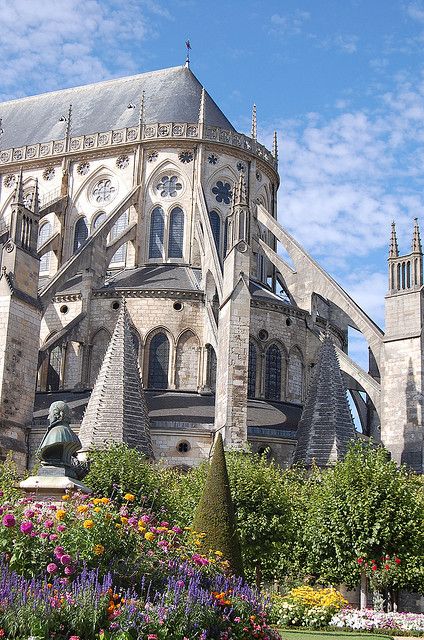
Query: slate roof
[
  {"x": 164, "y": 276},
  {"x": 326, "y": 426},
  {"x": 171, "y": 95},
  {"x": 263, "y": 417},
  {"x": 117, "y": 409}
]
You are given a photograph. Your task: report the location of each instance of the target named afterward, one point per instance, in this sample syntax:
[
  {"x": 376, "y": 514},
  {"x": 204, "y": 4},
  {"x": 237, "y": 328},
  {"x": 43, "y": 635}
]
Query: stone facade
[{"x": 168, "y": 206}]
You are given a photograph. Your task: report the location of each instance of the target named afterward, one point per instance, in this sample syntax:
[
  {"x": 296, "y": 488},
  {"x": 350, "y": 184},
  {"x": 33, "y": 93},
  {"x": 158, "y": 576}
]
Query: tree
[
  {"x": 214, "y": 515},
  {"x": 360, "y": 512}
]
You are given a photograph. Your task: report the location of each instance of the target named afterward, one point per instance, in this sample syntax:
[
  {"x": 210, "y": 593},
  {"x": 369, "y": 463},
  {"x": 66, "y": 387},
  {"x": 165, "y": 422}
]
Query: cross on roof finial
[{"x": 188, "y": 47}]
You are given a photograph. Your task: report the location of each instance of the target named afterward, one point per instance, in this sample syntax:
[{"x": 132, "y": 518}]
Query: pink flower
[
  {"x": 145, "y": 519},
  {"x": 152, "y": 636},
  {"x": 61, "y": 527},
  {"x": 29, "y": 513},
  {"x": 58, "y": 552},
  {"x": 69, "y": 571},
  {"x": 52, "y": 567},
  {"x": 9, "y": 520},
  {"x": 177, "y": 529},
  {"x": 44, "y": 535},
  {"x": 74, "y": 638},
  {"x": 49, "y": 524},
  {"x": 164, "y": 524},
  {"x": 26, "y": 526},
  {"x": 65, "y": 559}
]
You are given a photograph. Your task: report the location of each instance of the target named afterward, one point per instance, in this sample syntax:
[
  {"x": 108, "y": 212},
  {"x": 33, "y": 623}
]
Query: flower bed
[
  {"x": 306, "y": 607},
  {"x": 370, "y": 620},
  {"x": 89, "y": 569}
]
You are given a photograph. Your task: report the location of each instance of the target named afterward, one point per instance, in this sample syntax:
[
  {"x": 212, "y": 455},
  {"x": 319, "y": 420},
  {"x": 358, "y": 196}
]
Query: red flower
[
  {"x": 397, "y": 560},
  {"x": 360, "y": 560},
  {"x": 387, "y": 567},
  {"x": 374, "y": 567}
]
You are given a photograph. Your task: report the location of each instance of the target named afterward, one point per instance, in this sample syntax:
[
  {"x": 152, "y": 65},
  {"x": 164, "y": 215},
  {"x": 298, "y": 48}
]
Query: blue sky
[{"x": 341, "y": 80}]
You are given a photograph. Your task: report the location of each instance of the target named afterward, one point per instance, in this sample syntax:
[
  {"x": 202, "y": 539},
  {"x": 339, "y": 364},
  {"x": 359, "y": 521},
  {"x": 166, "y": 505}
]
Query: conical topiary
[{"x": 214, "y": 514}]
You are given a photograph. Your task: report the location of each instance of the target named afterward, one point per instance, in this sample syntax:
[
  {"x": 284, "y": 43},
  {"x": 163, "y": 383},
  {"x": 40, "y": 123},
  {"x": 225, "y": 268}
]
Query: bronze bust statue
[{"x": 60, "y": 444}]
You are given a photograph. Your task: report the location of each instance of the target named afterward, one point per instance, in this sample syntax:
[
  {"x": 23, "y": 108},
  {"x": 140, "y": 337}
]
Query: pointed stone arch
[
  {"x": 158, "y": 358},
  {"x": 187, "y": 361}
]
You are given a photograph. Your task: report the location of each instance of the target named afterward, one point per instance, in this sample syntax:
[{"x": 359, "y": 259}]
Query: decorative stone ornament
[
  {"x": 186, "y": 157},
  {"x": 122, "y": 162},
  {"x": 241, "y": 167},
  {"x": 83, "y": 168},
  {"x": 222, "y": 192},
  {"x": 152, "y": 156},
  {"x": 169, "y": 186},
  {"x": 103, "y": 191},
  {"x": 9, "y": 180},
  {"x": 48, "y": 173},
  {"x": 212, "y": 158}
]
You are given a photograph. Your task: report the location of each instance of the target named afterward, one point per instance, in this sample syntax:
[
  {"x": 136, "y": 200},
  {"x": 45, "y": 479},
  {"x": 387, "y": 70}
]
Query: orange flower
[
  {"x": 66, "y": 497},
  {"x": 82, "y": 508},
  {"x": 88, "y": 524},
  {"x": 124, "y": 520},
  {"x": 129, "y": 497},
  {"x": 105, "y": 500},
  {"x": 97, "y": 509},
  {"x": 98, "y": 549},
  {"x": 60, "y": 513}
]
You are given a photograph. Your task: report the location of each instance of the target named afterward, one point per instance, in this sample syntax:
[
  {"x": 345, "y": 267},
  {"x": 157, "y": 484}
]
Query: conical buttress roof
[
  {"x": 326, "y": 425},
  {"x": 117, "y": 409}
]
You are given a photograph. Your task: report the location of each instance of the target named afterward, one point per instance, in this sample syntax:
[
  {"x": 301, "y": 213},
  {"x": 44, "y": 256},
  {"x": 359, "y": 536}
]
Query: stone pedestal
[{"x": 51, "y": 483}]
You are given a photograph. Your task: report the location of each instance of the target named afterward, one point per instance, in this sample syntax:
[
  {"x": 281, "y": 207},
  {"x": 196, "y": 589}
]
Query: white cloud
[
  {"x": 347, "y": 43},
  {"x": 55, "y": 43},
  {"x": 289, "y": 23}
]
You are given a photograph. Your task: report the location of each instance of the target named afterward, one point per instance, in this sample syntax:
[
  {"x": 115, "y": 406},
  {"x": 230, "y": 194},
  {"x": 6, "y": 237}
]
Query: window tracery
[
  {"x": 222, "y": 192},
  {"x": 169, "y": 186}
]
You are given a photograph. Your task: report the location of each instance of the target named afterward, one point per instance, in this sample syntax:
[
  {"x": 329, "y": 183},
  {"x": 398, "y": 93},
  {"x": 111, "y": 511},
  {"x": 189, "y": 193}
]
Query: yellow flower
[
  {"x": 104, "y": 500},
  {"x": 129, "y": 497},
  {"x": 82, "y": 508},
  {"x": 149, "y": 536},
  {"x": 60, "y": 513},
  {"x": 118, "y": 526},
  {"x": 219, "y": 553},
  {"x": 88, "y": 524},
  {"x": 197, "y": 543},
  {"x": 124, "y": 520},
  {"x": 66, "y": 497},
  {"x": 96, "y": 509},
  {"x": 141, "y": 526},
  {"x": 98, "y": 549},
  {"x": 96, "y": 501}
]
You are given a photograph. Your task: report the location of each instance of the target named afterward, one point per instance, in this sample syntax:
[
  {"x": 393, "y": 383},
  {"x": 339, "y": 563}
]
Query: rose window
[
  {"x": 222, "y": 192},
  {"x": 169, "y": 186},
  {"x": 104, "y": 191},
  {"x": 212, "y": 159}
]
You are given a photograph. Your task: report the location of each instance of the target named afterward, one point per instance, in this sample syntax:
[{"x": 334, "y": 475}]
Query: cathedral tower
[
  {"x": 402, "y": 366},
  {"x": 20, "y": 316}
]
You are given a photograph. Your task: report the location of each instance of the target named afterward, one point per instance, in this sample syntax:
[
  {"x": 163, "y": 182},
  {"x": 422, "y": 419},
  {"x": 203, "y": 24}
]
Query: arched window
[
  {"x": 54, "y": 370},
  {"x": 176, "y": 233},
  {"x": 295, "y": 376},
  {"x": 119, "y": 226},
  {"x": 43, "y": 235},
  {"x": 251, "y": 376},
  {"x": 158, "y": 361},
  {"x": 99, "y": 219},
  {"x": 80, "y": 234},
  {"x": 215, "y": 221},
  {"x": 187, "y": 361},
  {"x": 211, "y": 368},
  {"x": 273, "y": 373},
  {"x": 157, "y": 225}
]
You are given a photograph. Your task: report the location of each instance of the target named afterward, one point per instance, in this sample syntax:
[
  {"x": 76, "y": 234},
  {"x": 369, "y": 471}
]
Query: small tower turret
[{"x": 254, "y": 126}]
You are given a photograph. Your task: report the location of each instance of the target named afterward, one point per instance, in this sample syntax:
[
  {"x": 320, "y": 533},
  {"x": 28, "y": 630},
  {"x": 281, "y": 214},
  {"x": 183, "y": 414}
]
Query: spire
[
  {"x": 416, "y": 239},
  {"x": 117, "y": 409},
  {"x": 188, "y": 48},
  {"x": 36, "y": 202},
  {"x": 18, "y": 197},
  {"x": 68, "y": 120},
  {"x": 326, "y": 425},
  {"x": 254, "y": 131},
  {"x": 240, "y": 191},
  {"x": 394, "y": 249},
  {"x": 141, "y": 112},
  {"x": 202, "y": 109},
  {"x": 275, "y": 146},
  {"x": 1, "y": 128}
]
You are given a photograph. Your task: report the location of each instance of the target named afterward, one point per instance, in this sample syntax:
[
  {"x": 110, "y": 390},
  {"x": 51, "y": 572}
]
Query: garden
[{"x": 235, "y": 549}]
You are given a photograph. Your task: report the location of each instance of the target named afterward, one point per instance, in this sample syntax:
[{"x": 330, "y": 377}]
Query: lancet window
[{"x": 158, "y": 361}]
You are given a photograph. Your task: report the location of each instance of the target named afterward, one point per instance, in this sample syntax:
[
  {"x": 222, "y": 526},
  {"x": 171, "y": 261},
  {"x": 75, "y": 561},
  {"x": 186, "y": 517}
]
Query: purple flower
[
  {"x": 44, "y": 535},
  {"x": 49, "y": 524},
  {"x": 52, "y": 567},
  {"x": 69, "y": 570},
  {"x": 9, "y": 520},
  {"x": 26, "y": 526},
  {"x": 53, "y": 537},
  {"x": 58, "y": 552},
  {"x": 29, "y": 513},
  {"x": 65, "y": 559}
]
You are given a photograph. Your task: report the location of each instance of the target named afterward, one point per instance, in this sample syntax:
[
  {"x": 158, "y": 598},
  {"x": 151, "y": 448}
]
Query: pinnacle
[
  {"x": 416, "y": 239},
  {"x": 117, "y": 409},
  {"x": 394, "y": 249},
  {"x": 326, "y": 425}
]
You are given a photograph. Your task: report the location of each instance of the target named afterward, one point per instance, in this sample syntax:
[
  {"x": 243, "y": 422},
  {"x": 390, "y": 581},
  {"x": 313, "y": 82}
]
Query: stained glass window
[
  {"x": 99, "y": 219},
  {"x": 54, "y": 369},
  {"x": 273, "y": 373},
  {"x": 119, "y": 226},
  {"x": 215, "y": 221},
  {"x": 211, "y": 368},
  {"x": 157, "y": 225},
  {"x": 158, "y": 361},
  {"x": 251, "y": 376},
  {"x": 80, "y": 234},
  {"x": 176, "y": 233},
  {"x": 43, "y": 235}
]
